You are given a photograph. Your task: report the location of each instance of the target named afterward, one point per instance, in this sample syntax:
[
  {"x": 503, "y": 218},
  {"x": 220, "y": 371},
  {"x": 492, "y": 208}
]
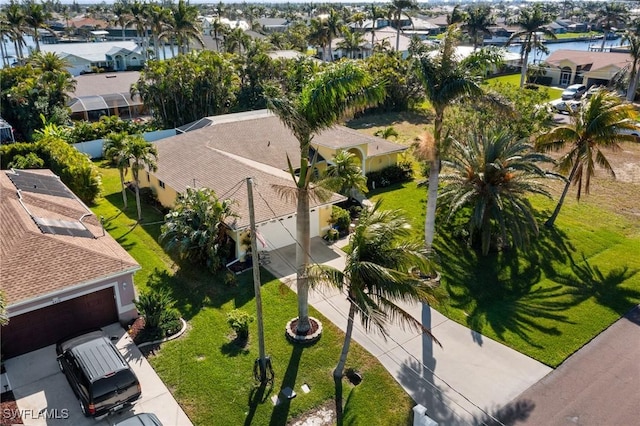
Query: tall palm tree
[
  {"x": 36, "y": 18},
  {"x": 493, "y": 174},
  {"x": 344, "y": 175},
  {"x": 376, "y": 277},
  {"x": 319, "y": 35},
  {"x": 185, "y": 25},
  {"x": 158, "y": 19},
  {"x": 115, "y": 149},
  {"x": 633, "y": 40},
  {"x": 608, "y": 16},
  {"x": 334, "y": 24},
  {"x": 236, "y": 41},
  {"x": 122, "y": 17},
  {"x": 396, "y": 8},
  {"x": 140, "y": 154},
  {"x": 444, "y": 80},
  {"x": 351, "y": 41},
  {"x": 325, "y": 98},
  {"x": 138, "y": 19},
  {"x": 16, "y": 19},
  {"x": 477, "y": 23},
  {"x": 374, "y": 13},
  {"x": 596, "y": 125},
  {"x": 6, "y": 33},
  {"x": 48, "y": 62},
  {"x": 533, "y": 21}
]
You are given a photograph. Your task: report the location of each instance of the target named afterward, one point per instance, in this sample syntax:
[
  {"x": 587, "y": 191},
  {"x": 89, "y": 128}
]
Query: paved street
[{"x": 598, "y": 385}]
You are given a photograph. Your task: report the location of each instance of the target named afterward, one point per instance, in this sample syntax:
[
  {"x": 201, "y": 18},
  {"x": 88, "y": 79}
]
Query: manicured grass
[
  {"x": 514, "y": 80},
  {"x": 548, "y": 301},
  {"x": 578, "y": 35},
  {"x": 210, "y": 375}
]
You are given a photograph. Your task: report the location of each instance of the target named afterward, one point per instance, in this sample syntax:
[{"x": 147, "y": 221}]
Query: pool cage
[
  {"x": 6, "y": 132},
  {"x": 91, "y": 108}
]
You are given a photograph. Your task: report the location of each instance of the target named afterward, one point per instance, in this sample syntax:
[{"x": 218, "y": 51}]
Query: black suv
[{"x": 98, "y": 374}]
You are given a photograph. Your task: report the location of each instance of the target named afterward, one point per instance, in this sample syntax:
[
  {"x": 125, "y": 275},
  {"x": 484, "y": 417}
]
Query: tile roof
[
  {"x": 596, "y": 60},
  {"x": 35, "y": 264}
]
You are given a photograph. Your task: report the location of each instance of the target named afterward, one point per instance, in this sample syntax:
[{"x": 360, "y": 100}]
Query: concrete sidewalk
[{"x": 469, "y": 376}]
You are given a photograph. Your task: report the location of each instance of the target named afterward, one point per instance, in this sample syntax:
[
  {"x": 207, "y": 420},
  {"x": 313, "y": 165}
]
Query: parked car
[
  {"x": 575, "y": 91},
  {"x": 142, "y": 419},
  {"x": 564, "y": 107},
  {"x": 593, "y": 90},
  {"x": 100, "y": 377}
]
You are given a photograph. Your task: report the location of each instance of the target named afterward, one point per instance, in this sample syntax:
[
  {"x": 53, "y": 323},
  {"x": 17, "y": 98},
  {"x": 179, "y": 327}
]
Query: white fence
[{"x": 94, "y": 148}]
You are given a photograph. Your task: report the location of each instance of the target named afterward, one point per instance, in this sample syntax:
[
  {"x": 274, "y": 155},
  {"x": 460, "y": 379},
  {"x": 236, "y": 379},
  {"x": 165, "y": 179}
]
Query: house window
[
  {"x": 161, "y": 183},
  {"x": 148, "y": 178}
]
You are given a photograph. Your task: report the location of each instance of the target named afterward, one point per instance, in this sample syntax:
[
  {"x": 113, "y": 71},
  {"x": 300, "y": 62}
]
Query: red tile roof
[{"x": 596, "y": 60}]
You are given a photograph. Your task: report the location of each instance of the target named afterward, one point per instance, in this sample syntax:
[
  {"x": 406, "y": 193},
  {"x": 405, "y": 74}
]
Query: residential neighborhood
[{"x": 313, "y": 214}]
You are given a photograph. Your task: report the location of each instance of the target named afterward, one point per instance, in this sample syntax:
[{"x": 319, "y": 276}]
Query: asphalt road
[{"x": 598, "y": 385}]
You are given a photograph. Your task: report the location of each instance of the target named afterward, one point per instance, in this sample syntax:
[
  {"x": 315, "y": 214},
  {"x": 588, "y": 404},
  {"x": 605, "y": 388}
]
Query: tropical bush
[
  {"x": 239, "y": 321},
  {"x": 160, "y": 317},
  {"x": 340, "y": 219},
  {"x": 402, "y": 172}
]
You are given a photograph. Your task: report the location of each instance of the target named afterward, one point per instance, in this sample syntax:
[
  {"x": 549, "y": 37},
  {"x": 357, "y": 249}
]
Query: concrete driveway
[{"x": 44, "y": 396}]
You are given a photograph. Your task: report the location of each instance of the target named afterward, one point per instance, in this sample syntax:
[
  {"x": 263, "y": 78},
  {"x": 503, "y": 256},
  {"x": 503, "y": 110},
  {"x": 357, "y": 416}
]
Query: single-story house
[
  {"x": 383, "y": 36},
  {"x": 221, "y": 152},
  {"x": 101, "y": 94},
  {"x": 114, "y": 55},
  {"x": 60, "y": 271},
  {"x": 566, "y": 67}
]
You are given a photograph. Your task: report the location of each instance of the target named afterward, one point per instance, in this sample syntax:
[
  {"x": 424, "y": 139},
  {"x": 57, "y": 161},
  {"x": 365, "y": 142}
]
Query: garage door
[{"x": 45, "y": 326}]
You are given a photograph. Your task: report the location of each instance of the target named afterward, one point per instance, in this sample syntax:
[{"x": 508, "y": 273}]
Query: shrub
[
  {"x": 239, "y": 321},
  {"x": 402, "y": 172},
  {"x": 332, "y": 235},
  {"x": 157, "y": 309},
  {"x": 341, "y": 219}
]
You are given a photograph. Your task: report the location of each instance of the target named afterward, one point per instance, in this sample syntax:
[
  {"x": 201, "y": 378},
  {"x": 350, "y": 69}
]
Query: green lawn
[
  {"x": 578, "y": 35},
  {"x": 514, "y": 80},
  {"x": 211, "y": 376},
  {"x": 546, "y": 302}
]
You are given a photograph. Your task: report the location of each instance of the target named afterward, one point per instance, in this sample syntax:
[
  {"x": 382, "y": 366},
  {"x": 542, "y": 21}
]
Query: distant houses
[{"x": 86, "y": 57}]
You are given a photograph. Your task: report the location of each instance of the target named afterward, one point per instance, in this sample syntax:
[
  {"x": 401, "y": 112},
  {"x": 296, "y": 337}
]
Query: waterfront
[{"x": 537, "y": 56}]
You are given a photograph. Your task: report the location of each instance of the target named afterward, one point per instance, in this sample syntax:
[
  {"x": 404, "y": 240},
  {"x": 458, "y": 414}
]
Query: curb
[{"x": 166, "y": 339}]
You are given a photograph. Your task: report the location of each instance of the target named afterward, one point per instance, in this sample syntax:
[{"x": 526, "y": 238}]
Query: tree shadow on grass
[
  {"x": 280, "y": 412},
  {"x": 387, "y": 119},
  {"x": 587, "y": 281},
  {"x": 258, "y": 395},
  {"x": 499, "y": 290}
]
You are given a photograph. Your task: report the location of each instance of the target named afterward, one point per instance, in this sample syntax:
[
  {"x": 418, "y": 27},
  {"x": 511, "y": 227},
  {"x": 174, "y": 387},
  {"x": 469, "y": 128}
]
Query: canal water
[{"x": 538, "y": 56}]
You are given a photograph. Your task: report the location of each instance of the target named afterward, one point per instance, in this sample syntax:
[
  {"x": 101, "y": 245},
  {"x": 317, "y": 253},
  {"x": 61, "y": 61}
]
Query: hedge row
[
  {"x": 402, "y": 172},
  {"x": 74, "y": 168}
]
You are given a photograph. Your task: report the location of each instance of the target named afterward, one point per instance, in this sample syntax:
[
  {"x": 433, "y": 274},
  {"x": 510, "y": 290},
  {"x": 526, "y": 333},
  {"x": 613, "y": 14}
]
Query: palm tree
[
  {"x": 16, "y": 20},
  {"x": 376, "y": 277},
  {"x": 122, "y": 18},
  {"x": 596, "y": 125},
  {"x": 395, "y": 9},
  {"x": 324, "y": 99},
  {"x": 334, "y": 23},
  {"x": 351, "y": 41},
  {"x": 533, "y": 22},
  {"x": 48, "y": 62},
  {"x": 344, "y": 175},
  {"x": 319, "y": 35},
  {"x": 477, "y": 23},
  {"x": 374, "y": 13},
  {"x": 140, "y": 154},
  {"x": 633, "y": 41},
  {"x": 185, "y": 25},
  {"x": 386, "y": 133},
  {"x": 159, "y": 19},
  {"x": 139, "y": 20},
  {"x": 457, "y": 16},
  {"x": 36, "y": 18},
  {"x": 608, "y": 16},
  {"x": 236, "y": 41},
  {"x": 444, "y": 80},
  {"x": 492, "y": 174},
  {"x": 195, "y": 227},
  {"x": 115, "y": 149}
]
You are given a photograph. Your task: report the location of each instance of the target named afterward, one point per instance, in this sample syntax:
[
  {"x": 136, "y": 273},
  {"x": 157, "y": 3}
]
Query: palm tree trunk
[
  {"x": 604, "y": 39},
  {"x": 525, "y": 64},
  {"x": 633, "y": 85},
  {"x": 550, "y": 222},
  {"x": 339, "y": 370},
  {"x": 138, "y": 199},
  {"x": 398, "y": 33},
  {"x": 124, "y": 189},
  {"x": 302, "y": 258},
  {"x": 434, "y": 180},
  {"x": 3, "y": 52},
  {"x": 36, "y": 37}
]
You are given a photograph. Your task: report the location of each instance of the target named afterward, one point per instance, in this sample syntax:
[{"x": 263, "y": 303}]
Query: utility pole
[{"x": 262, "y": 361}]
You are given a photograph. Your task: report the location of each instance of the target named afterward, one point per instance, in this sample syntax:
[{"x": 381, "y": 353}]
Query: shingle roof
[
  {"x": 596, "y": 60},
  {"x": 35, "y": 264},
  {"x": 105, "y": 83},
  {"x": 181, "y": 161}
]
